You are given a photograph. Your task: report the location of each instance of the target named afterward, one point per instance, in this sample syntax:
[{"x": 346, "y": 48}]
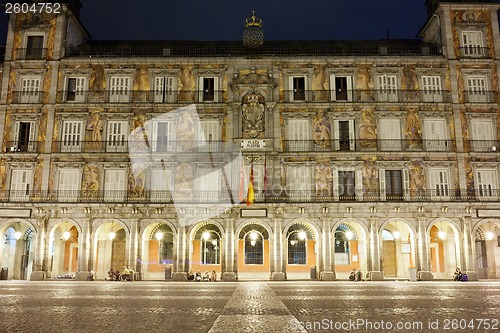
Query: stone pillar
[
  {"x": 39, "y": 269},
  {"x": 138, "y": 266},
  {"x": 133, "y": 247},
  {"x": 467, "y": 250},
  {"x": 279, "y": 272},
  {"x": 327, "y": 268},
  {"x": 85, "y": 251},
  {"x": 423, "y": 267},
  {"x": 229, "y": 267},
  {"x": 375, "y": 274},
  {"x": 183, "y": 246}
]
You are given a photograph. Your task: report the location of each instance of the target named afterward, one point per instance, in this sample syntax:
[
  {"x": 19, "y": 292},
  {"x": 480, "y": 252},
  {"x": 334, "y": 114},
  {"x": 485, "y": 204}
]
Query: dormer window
[
  {"x": 472, "y": 44},
  {"x": 34, "y": 47}
]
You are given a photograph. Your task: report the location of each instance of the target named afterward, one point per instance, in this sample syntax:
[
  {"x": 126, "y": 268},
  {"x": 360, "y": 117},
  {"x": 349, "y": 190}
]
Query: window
[
  {"x": 482, "y": 135},
  {"x": 165, "y": 89},
  {"x": 341, "y": 88},
  {"x": 210, "y": 249},
  {"x": 119, "y": 89},
  {"x": 208, "y": 89},
  {"x": 69, "y": 184},
  {"x": 34, "y": 48},
  {"x": 394, "y": 184},
  {"x": 209, "y": 184},
  {"x": 160, "y": 183},
  {"x": 431, "y": 89},
  {"x": 24, "y": 136},
  {"x": 299, "y": 182},
  {"x": 21, "y": 184},
  {"x": 343, "y": 134},
  {"x": 117, "y": 136},
  {"x": 477, "y": 89},
  {"x": 162, "y": 135},
  {"x": 387, "y": 88},
  {"x": 114, "y": 185},
  {"x": 72, "y": 136},
  {"x": 439, "y": 183},
  {"x": 254, "y": 249},
  {"x": 342, "y": 248},
  {"x": 486, "y": 183},
  {"x": 298, "y": 135},
  {"x": 346, "y": 185},
  {"x": 297, "y": 86},
  {"x": 30, "y": 90},
  {"x": 390, "y": 134},
  {"x": 472, "y": 43},
  {"x": 297, "y": 248},
  {"x": 166, "y": 248},
  {"x": 75, "y": 89},
  {"x": 210, "y": 135},
  {"x": 435, "y": 137}
]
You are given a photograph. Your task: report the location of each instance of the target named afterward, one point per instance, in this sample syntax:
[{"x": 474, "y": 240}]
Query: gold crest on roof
[{"x": 253, "y": 21}]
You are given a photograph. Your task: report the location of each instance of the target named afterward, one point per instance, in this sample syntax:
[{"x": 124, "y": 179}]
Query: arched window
[
  {"x": 297, "y": 247},
  {"x": 387, "y": 235},
  {"x": 343, "y": 235},
  {"x": 254, "y": 248},
  {"x": 210, "y": 242},
  {"x": 165, "y": 237}
]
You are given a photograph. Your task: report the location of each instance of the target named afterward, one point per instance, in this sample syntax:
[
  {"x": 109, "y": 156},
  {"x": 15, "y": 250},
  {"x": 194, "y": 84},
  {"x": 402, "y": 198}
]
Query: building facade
[{"x": 377, "y": 155}]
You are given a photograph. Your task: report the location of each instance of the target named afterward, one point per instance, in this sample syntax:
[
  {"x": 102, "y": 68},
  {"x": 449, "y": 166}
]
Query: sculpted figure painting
[{"x": 322, "y": 129}]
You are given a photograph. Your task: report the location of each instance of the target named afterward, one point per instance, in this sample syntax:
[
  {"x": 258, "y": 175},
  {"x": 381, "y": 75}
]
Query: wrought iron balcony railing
[
  {"x": 32, "y": 54},
  {"x": 22, "y": 147},
  {"x": 28, "y": 97},
  {"x": 366, "y": 96},
  {"x": 123, "y": 146},
  {"x": 141, "y": 96},
  {"x": 486, "y": 146},
  {"x": 474, "y": 96},
  {"x": 272, "y": 49},
  {"x": 215, "y": 196},
  {"x": 474, "y": 52},
  {"x": 368, "y": 145}
]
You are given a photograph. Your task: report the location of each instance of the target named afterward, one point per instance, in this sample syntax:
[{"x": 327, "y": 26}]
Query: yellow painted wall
[
  {"x": 253, "y": 268},
  {"x": 435, "y": 239},
  {"x": 153, "y": 264},
  {"x": 311, "y": 260}
]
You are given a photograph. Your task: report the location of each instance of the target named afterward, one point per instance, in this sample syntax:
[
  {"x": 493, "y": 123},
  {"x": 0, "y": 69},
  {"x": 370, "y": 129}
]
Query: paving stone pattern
[{"x": 291, "y": 306}]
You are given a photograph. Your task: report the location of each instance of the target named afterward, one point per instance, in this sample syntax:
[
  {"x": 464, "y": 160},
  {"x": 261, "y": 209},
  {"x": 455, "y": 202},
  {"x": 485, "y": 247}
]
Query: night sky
[{"x": 224, "y": 19}]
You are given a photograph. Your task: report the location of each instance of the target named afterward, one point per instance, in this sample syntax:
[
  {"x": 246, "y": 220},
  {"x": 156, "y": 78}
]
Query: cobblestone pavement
[{"x": 292, "y": 306}]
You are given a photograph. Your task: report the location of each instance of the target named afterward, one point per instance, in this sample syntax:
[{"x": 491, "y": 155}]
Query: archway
[
  {"x": 110, "y": 244},
  {"x": 63, "y": 249},
  {"x": 397, "y": 252},
  {"x": 253, "y": 252},
  {"x": 159, "y": 250},
  {"x": 349, "y": 247},
  {"x": 17, "y": 251},
  {"x": 301, "y": 251},
  {"x": 206, "y": 254},
  {"x": 487, "y": 249},
  {"x": 444, "y": 249}
]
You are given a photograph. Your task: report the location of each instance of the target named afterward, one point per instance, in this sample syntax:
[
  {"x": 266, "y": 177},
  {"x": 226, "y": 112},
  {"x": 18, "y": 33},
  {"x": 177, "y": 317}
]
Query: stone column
[
  {"x": 229, "y": 273},
  {"x": 40, "y": 260},
  {"x": 492, "y": 260},
  {"x": 133, "y": 248},
  {"x": 467, "y": 250},
  {"x": 279, "y": 261},
  {"x": 328, "y": 267},
  {"x": 375, "y": 274},
  {"x": 180, "y": 273},
  {"x": 423, "y": 267}
]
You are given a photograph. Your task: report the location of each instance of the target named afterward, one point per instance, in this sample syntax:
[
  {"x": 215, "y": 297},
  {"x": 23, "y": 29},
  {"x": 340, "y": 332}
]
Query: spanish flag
[
  {"x": 241, "y": 192},
  {"x": 251, "y": 192}
]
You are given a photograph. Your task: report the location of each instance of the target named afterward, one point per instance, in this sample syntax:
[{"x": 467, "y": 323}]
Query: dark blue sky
[{"x": 223, "y": 19}]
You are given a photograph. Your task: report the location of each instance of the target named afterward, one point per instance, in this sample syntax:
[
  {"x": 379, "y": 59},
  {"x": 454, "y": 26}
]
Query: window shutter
[
  {"x": 16, "y": 133},
  {"x": 406, "y": 184},
  {"x": 350, "y": 91},
  {"x": 359, "y": 185},
  {"x": 332, "y": 88},
  {"x": 291, "y": 89},
  {"x": 159, "y": 89},
  {"x": 352, "y": 136},
  {"x": 31, "y": 144},
  {"x": 336, "y": 135},
  {"x": 335, "y": 180},
  {"x": 381, "y": 179},
  {"x": 200, "y": 89},
  {"x": 216, "y": 89},
  {"x": 154, "y": 136}
]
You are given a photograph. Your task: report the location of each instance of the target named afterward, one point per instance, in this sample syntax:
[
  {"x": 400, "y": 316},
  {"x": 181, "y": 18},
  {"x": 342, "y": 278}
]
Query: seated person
[
  {"x": 111, "y": 275},
  {"x": 359, "y": 275},
  {"x": 457, "y": 276},
  {"x": 198, "y": 276},
  {"x": 125, "y": 274},
  {"x": 191, "y": 275},
  {"x": 117, "y": 275},
  {"x": 206, "y": 277},
  {"x": 352, "y": 275},
  {"x": 213, "y": 276}
]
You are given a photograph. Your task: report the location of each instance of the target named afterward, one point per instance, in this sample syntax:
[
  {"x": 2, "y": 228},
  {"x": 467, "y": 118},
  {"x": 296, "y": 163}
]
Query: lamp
[
  {"x": 112, "y": 234},
  {"x": 252, "y": 242},
  {"x": 302, "y": 235},
  {"x": 214, "y": 242},
  {"x": 293, "y": 242},
  {"x": 206, "y": 235},
  {"x": 442, "y": 234},
  {"x": 396, "y": 234},
  {"x": 159, "y": 235},
  {"x": 18, "y": 234},
  {"x": 349, "y": 234},
  {"x": 66, "y": 235},
  {"x": 254, "y": 235},
  {"x": 490, "y": 235}
]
